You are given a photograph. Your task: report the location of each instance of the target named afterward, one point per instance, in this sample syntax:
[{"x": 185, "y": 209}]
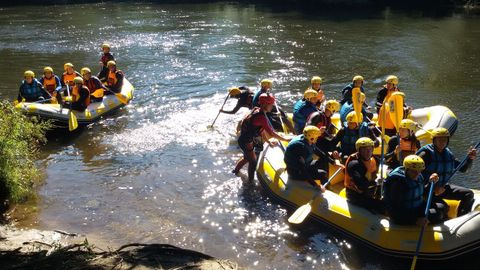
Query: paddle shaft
[
  {"x": 326, "y": 184},
  {"x": 382, "y": 150},
  {"x": 280, "y": 116},
  {"x": 225, "y": 101}
]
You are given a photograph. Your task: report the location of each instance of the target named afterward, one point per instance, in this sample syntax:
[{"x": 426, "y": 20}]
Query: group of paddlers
[
  {"x": 412, "y": 168},
  {"x": 74, "y": 89}
]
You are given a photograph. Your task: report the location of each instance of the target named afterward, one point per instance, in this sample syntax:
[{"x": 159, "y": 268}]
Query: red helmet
[{"x": 266, "y": 99}]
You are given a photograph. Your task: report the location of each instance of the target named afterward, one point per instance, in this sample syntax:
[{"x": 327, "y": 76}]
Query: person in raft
[
  {"x": 403, "y": 194},
  {"x": 31, "y": 89},
  {"x": 52, "y": 84},
  {"x": 106, "y": 56},
  {"x": 80, "y": 96},
  {"x": 361, "y": 176},
  {"x": 409, "y": 144},
  {"x": 324, "y": 119},
  {"x": 440, "y": 160},
  {"x": 68, "y": 76},
  {"x": 384, "y": 95},
  {"x": 303, "y": 108},
  {"x": 94, "y": 85},
  {"x": 253, "y": 125},
  {"x": 114, "y": 78},
  {"x": 316, "y": 84},
  {"x": 244, "y": 96},
  {"x": 347, "y": 91}
]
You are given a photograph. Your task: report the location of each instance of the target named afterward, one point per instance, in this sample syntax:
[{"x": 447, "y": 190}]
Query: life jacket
[
  {"x": 442, "y": 163},
  {"x": 68, "y": 78},
  {"x": 291, "y": 157},
  {"x": 371, "y": 172},
  {"x": 248, "y": 130},
  {"x": 301, "y": 110},
  {"x": 407, "y": 147},
  {"x": 31, "y": 92},
  {"x": 319, "y": 119},
  {"x": 411, "y": 196},
  {"x": 388, "y": 123},
  {"x": 321, "y": 95},
  {"x": 112, "y": 77},
  {"x": 350, "y": 137},
  {"x": 93, "y": 84},
  {"x": 50, "y": 84},
  {"x": 256, "y": 97},
  {"x": 246, "y": 98},
  {"x": 105, "y": 58},
  {"x": 76, "y": 95}
]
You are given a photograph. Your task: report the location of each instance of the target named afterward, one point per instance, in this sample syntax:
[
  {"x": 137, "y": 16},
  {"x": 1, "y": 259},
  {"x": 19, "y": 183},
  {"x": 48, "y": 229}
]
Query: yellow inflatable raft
[
  {"x": 94, "y": 111},
  {"x": 449, "y": 239}
]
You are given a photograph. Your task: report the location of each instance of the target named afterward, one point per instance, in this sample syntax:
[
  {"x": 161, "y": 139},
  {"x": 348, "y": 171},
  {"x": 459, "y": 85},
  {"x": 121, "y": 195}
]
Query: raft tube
[
  {"x": 94, "y": 111},
  {"x": 455, "y": 237}
]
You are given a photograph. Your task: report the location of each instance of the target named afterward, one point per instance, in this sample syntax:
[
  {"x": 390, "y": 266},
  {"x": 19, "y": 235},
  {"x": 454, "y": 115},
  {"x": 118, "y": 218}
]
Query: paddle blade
[
  {"x": 98, "y": 93},
  {"x": 72, "y": 122},
  {"x": 301, "y": 213},
  {"x": 357, "y": 105},
  {"x": 396, "y": 108},
  {"x": 123, "y": 99}
]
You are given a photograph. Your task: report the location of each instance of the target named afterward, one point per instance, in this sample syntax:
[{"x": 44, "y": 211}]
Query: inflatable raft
[
  {"x": 94, "y": 111},
  {"x": 452, "y": 238}
]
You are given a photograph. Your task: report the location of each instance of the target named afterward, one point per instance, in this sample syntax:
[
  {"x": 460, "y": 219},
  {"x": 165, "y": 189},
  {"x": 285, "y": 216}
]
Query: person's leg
[
  {"x": 438, "y": 210},
  {"x": 465, "y": 196}
]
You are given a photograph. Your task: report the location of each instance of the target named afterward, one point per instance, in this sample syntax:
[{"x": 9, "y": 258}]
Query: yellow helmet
[
  {"x": 440, "y": 132},
  {"x": 67, "y": 65},
  {"x": 47, "y": 69},
  {"x": 392, "y": 79},
  {"x": 266, "y": 83},
  {"x": 234, "y": 91},
  {"x": 364, "y": 142},
  {"x": 111, "y": 63},
  {"x": 78, "y": 80},
  {"x": 414, "y": 162},
  {"x": 357, "y": 78},
  {"x": 352, "y": 117},
  {"x": 332, "y": 105},
  {"x": 316, "y": 79},
  {"x": 85, "y": 70},
  {"x": 105, "y": 45},
  {"x": 310, "y": 93},
  {"x": 29, "y": 73},
  {"x": 408, "y": 124},
  {"x": 311, "y": 133}
]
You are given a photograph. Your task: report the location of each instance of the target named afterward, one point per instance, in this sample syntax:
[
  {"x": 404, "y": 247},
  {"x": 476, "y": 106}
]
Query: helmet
[
  {"x": 392, "y": 79},
  {"x": 310, "y": 93},
  {"x": 78, "y": 80},
  {"x": 357, "y": 78},
  {"x": 266, "y": 82},
  {"x": 351, "y": 117},
  {"x": 234, "y": 91},
  {"x": 29, "y": 73},
  {"x": 111, "y": 63},
  {"x": 316, "y": 79},
  {"x": 408, "y": 124},
  {"x": 85, "y": 70},
  {"x": 364, "y": 142},
  {"x": 332, "y": 105},
  {"x": 311, "y": 132},
  {"x": 47, "y": 69},
  {"x": 266, "y": 99},
  {"x": 67, "y": 65},
  {"x": 414, "y": 162},
  {"x": 440, "y": 132},
  {"x": 105, "y": 45}
]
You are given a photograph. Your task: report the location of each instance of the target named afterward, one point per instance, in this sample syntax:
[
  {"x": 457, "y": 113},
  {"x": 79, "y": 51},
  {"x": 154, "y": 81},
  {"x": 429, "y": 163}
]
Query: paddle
[
  {"x": 228, "y": 95},
  {"x": 72, "y": 119},
  {"x": 357, "y": 103},
  {"x": 396, "y": 114},
  {"x": 302, "y": 212},
  {"x": 383, "y": 112}
]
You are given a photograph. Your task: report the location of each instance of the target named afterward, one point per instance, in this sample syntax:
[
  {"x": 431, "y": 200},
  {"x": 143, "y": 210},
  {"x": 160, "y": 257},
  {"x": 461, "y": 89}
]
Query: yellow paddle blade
[
  {"x": 98, "y": 93},
  {"x": 301, "y": 213},
  {"x": 123, "y": 99},
  {"x": 72, "y": 122},
  {"x": 396, "y": 108},
  {"x": 357, "y": 105}
]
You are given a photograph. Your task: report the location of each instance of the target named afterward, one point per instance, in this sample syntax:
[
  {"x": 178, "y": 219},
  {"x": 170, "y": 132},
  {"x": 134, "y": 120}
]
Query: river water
[{"x": 154, "y": 172}]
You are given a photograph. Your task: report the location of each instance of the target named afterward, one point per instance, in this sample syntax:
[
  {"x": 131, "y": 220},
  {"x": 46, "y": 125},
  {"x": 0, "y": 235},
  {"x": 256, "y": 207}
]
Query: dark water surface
[{"x": 155, "y": 173}]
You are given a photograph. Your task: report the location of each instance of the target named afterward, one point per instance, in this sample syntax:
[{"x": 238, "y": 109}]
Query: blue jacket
[
  {"x": 32, "y": 92},
  {"x": 301, "y": 110},
  {"x": 347, "y": 93},
  {"x": 298, "y": 156},
  {"x": 256, "y": 97},
  {"x": 402, "y": 193}
]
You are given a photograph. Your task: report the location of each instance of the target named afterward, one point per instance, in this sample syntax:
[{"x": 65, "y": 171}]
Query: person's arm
[
  {"x": 45, "y": 93},
  {"x": 119, "y": 83},
  {"x": 337, "y": 138},
  {"x": 265, "y": 124},
  {"x": 98, "y": 84},
  {"x": 20, "y": 97},
  {"x": 392, "y": 144},
  {"x": 234, "y": 110},
  {"x": 380, "y": 97},
  {"x": 357, "y": 173},
  {"x": 59, "y": 83},
  {"x": 322, "y": 155},
  {"x": 62, "y": 81}
]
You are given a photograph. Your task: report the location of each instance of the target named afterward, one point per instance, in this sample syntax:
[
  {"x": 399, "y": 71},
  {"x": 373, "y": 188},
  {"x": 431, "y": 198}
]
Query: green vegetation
[{"x": 20, "y": 137}]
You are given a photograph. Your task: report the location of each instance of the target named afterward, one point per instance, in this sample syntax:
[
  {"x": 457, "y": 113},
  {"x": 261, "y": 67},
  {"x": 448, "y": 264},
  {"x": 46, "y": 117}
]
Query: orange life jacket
[
  {"x": 112, "y": 78},
  {"x": 68, "y": 78},
  {"x": 407, "y": 147},
  {"x": 371, "y": 166},
  {"x": 50, "y": 84},
  {"x": 76, "y": 95}
]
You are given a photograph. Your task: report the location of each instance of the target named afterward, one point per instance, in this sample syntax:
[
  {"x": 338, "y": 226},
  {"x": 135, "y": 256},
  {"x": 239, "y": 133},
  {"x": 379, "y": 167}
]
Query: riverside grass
[{"x": 20, "y": 138}]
